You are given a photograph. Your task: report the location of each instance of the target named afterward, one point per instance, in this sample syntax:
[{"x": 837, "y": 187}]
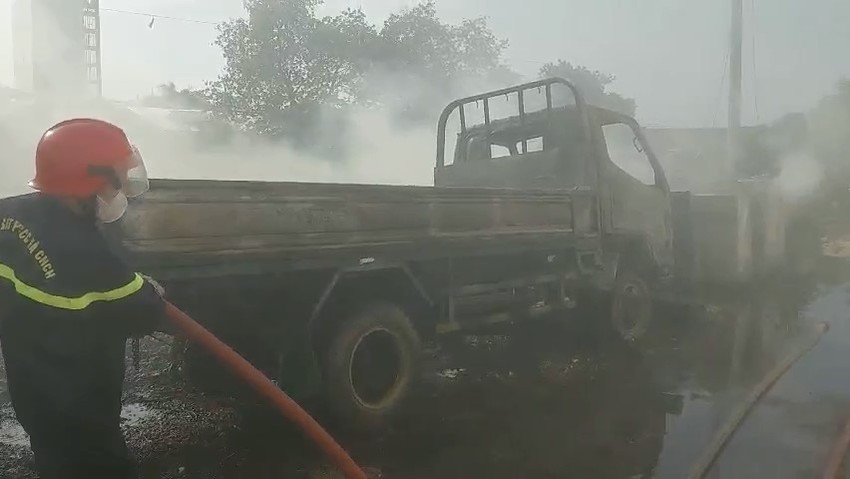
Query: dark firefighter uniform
[{"x": 67, "y": 306}]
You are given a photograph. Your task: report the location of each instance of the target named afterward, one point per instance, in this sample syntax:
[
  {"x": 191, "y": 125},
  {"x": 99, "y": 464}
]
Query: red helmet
[{"x": 82, "y": 157}]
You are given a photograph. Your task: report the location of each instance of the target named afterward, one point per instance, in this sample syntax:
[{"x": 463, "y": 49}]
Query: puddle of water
[
  {"x": 609, "y": 410},
  {"x": 787, "y": 432},
  {"x": 798, "y": 420},
  {"x": 133, "y": 414},
  {"x": 452, "y": 373},
  {"x": 686, "y": 435}
]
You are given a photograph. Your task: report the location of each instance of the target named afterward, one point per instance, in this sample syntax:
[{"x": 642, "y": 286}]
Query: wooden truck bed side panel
[{"x": 204, "y": 221}]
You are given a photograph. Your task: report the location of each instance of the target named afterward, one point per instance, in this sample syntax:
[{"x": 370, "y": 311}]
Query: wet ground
[{"x": 542, "y": 401}]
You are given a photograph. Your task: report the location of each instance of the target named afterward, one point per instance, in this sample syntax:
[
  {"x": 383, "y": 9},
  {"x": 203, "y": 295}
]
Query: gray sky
[{"x": 667, "y": 54}]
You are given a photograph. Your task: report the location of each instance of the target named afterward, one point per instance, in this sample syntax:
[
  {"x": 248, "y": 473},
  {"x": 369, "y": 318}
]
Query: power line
[{"x": 157, "y": 16}]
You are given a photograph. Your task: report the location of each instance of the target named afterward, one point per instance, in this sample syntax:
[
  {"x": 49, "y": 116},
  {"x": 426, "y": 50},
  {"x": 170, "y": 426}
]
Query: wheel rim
[{"x": 375, "y": 368}]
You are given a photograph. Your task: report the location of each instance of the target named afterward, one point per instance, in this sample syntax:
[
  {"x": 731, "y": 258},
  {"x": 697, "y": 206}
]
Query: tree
[
  {"x": 280, "y": 64},
  {"x": 435, "y": 61},
  {"x": 288, "y": 72},
  {"x": 593, "y": 84},
  {"x": 478, "y": 51},
  {"x": 168, "y": 95},
  {"x": 418, "y": 40}
]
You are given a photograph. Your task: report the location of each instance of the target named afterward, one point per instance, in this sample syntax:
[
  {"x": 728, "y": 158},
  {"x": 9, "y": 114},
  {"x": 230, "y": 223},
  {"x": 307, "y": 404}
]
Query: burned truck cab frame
[{"x": 571, "y": 153}]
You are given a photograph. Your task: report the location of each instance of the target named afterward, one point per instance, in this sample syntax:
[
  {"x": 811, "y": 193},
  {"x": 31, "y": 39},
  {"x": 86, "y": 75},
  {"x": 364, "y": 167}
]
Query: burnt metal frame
[
  {"x": 519, "y": 90},
  {"x": 581, "y": 106},
  {"x": 589, "y": 134},
  {"x": 609, "y": 117}
]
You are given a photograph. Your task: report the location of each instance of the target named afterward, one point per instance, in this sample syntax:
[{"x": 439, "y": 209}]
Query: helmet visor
[{"x": 136, "y": 182}]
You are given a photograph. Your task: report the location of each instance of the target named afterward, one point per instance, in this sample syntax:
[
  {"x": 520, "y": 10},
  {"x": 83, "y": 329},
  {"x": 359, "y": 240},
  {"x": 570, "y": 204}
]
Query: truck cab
[{"x": 544, "y": 136}]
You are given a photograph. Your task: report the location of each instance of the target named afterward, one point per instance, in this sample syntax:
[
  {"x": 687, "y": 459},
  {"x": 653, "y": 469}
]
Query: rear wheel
[
  {"x": 372, "y": 363},
  {"x": 631, "y": 306}
]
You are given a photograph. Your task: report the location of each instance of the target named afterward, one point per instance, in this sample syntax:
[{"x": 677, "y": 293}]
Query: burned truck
[{"x": 333, "y": 288}]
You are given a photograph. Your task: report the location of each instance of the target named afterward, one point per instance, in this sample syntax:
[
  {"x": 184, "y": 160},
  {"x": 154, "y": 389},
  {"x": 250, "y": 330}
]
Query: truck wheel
[
  {"x": 372, "y": 362},
  {"x": 631, "y": 306}
]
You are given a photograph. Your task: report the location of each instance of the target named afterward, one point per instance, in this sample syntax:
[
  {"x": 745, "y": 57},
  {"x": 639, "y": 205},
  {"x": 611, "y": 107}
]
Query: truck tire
[
  {"x": 371, "y": 365},
  {"x": 631, "y": 306}
]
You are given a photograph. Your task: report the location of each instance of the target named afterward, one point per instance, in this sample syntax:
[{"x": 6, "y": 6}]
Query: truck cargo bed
[{"x": 228, "y": 224}]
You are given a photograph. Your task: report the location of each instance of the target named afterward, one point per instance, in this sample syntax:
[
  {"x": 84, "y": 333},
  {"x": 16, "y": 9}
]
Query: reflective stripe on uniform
[{"x": 62, "y": 302}]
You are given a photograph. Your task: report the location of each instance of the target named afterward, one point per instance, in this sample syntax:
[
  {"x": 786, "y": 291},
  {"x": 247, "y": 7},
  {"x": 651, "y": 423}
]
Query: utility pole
[
  {"x": 735, "y": 59},
  {"x": 733, "y": 128}
]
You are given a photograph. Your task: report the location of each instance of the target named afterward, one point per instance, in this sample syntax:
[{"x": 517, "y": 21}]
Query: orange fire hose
[
  {"x": 835, "y": 459},
  {"x": 262, "y": 385}
]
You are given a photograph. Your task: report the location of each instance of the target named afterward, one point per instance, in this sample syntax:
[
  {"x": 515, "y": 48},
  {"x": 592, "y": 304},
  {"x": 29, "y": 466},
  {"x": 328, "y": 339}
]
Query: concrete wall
[
  {"x": 769, "y": 221},
  {"x": 735, "y": 236},
  {"x": 722, "y": 237}
]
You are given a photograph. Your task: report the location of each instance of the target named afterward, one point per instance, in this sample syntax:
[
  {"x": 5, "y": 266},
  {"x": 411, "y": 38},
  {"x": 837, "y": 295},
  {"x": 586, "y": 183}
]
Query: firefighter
[{"x": 68, "y": 303}]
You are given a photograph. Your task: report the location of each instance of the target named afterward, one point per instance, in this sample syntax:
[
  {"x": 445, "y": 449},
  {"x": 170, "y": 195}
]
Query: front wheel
[
  {"x": 631, "y": 306},
  {"x": 372, "y": 363}
]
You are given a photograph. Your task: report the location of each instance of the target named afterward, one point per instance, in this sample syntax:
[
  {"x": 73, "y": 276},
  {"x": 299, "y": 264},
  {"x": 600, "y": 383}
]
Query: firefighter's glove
[{"x": 158, "y": 287}]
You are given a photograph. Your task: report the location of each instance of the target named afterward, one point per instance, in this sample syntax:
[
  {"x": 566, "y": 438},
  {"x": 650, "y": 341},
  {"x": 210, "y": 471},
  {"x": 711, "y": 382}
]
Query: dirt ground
[
  {"x": 536, "y": 400},
  {"x": 478, "y": 391}
]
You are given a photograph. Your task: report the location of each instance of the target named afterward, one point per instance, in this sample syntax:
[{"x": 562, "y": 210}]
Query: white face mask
[{"x": 111, "y": 210}]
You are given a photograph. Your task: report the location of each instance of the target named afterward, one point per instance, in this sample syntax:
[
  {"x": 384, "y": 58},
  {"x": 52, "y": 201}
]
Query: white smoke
[
  {"x": 376, "y": 149},
  {"x": 799, "y": 177},
  {"x": 376, "y": 152}
]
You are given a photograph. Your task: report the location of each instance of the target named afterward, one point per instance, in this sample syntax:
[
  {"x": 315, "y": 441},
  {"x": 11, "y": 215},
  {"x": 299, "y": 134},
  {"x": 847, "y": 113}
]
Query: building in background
[{"x": 57, "y": 47}]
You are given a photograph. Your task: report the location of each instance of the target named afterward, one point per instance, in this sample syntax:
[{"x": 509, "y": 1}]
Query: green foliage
[
  {"x": 593, "y": 84},
  {"x": 416, "y": 40},
  {"x": 290, "y": 74},
  {"x": 280, "y": 63},
  {"x": 168, "y": 95},
  {"x": 287, "y": 73}
]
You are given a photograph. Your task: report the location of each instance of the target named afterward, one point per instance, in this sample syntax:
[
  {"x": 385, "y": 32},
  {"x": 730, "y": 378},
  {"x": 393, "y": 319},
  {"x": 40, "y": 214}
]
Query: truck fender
[
  {"x": 318, "y": 331},
  {"x": 396, "y": 277},
  {"x": 636, "y": 252},
  {"x": 307, "y": 356},
  {"x": 622, "y": 253},
  {"x": 365, "y": 267}
]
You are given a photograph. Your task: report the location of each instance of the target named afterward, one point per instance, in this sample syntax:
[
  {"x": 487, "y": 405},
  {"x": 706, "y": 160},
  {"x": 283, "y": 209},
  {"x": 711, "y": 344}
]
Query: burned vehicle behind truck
[{"x": 332, "y": 288}]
